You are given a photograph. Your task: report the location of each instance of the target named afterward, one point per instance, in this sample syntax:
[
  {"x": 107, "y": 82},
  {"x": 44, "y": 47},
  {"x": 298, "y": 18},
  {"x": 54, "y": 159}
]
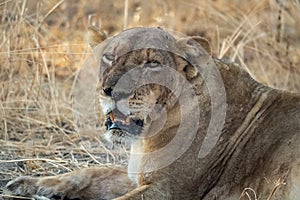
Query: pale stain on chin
[{"x": 107, "y": 137}]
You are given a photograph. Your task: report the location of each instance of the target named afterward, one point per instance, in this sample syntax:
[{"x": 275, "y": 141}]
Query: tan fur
[{"x": 258, "y": 147}]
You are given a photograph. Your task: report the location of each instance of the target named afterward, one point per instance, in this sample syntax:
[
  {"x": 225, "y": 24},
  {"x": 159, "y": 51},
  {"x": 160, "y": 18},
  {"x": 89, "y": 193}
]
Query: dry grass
[{"x": 42, "y": 48}]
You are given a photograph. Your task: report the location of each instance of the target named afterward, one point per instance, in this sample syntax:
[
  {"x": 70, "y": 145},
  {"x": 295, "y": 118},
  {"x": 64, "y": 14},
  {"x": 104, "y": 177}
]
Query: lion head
[{"x": 143, "y": 71}]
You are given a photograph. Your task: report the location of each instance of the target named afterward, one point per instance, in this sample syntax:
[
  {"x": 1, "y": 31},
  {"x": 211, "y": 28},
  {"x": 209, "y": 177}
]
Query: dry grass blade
[
  {"x": 16, "y": 197},
  {"x": 245, "y": 192},
  {"x": 278, "y": 184}
]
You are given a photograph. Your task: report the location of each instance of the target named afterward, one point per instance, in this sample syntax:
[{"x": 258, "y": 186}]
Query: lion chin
[
  {"x": 122, "y": 130},
  {"x": 249, "y": 133}
]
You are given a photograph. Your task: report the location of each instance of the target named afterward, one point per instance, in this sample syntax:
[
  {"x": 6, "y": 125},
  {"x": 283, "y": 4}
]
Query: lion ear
[
  {"x": 95, "y": 36},
  {"x": 203, "y": 42},
  {"x": 192, "y": 44},
  {"x": 193, "y": 47}
]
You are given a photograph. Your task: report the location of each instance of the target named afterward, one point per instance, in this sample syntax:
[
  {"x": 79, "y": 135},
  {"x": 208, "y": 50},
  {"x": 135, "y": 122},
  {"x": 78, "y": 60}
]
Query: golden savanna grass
[{"x": 43, "y": 47}]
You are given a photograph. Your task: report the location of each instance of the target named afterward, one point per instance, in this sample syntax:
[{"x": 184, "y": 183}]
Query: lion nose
[{"x": 108, "y": 91}]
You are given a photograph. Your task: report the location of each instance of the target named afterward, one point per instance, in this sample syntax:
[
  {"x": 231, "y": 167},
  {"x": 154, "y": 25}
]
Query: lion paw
[
  {"x": 88, "y": 183},
  {"x": 26, "y": 186},
  {"x": 23, "y": 186}
]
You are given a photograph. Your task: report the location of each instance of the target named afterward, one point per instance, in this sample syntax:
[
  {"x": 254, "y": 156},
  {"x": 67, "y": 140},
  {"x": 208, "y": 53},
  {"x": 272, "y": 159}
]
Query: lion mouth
[{"x": 117, "y": 120}]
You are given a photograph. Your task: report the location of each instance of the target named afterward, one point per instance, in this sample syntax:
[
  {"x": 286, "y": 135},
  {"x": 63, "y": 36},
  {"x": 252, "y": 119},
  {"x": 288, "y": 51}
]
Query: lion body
[{"x": 256, "y": 154}]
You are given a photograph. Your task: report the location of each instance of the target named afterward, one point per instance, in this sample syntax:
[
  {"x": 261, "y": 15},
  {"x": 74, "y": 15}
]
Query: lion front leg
[{"x": 90, "y": 183}]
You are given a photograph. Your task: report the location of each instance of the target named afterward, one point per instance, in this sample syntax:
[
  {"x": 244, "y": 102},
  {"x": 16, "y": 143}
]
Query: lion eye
[
  {"x": 108, "y": 58},
  {"x": 152, "y": 64}
]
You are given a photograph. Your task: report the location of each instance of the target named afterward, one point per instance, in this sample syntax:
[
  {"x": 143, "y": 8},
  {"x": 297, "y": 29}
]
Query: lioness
[{"x": 199, "y": 127}]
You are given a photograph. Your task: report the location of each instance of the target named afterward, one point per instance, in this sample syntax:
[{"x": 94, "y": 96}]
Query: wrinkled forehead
[{"x": 141, "y": 38}]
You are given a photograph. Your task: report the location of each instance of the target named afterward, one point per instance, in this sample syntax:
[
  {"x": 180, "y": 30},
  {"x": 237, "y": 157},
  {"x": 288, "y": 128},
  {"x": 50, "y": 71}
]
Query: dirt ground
[{"x": 43, "y": 48}]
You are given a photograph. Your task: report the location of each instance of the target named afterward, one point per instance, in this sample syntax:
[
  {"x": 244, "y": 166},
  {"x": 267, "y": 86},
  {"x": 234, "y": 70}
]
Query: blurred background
[{"x": 42, "y": 48}]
